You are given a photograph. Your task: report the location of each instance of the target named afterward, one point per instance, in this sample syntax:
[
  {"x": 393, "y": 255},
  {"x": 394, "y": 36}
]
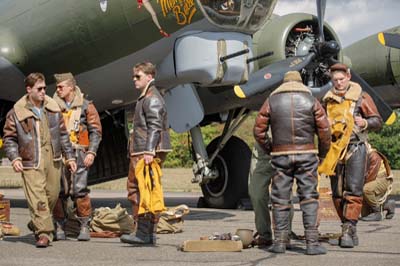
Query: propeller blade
[
  {"x": 271, "y": 76},
  {"x": 389, "y": 39},
  {"x": 319, "y": 92},
  {"x": 321, "y": 5},
  {"x": 386, "y": 112}
]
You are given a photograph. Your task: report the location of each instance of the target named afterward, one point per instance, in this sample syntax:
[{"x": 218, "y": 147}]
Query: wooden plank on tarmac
[{"x": 212, "y": 246}]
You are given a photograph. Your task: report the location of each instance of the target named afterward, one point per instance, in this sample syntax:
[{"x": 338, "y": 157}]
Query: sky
[{"x": 351, "y": 19}]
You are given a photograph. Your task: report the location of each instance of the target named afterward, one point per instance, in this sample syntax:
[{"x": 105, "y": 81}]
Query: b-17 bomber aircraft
[{"x": 216, "y": 62}]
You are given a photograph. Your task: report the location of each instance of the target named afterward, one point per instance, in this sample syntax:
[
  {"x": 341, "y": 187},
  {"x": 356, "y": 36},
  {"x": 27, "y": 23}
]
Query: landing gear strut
[{"x": 222, "y": 168}]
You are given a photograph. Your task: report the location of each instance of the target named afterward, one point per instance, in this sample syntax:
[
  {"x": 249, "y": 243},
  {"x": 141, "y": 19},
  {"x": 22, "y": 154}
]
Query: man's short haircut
[
  {"x": 65, "y": 77},
  {"x": 339, "y": 67},
  {"x": 32, "y": 78},
  {"x": 147, "y": 68}
]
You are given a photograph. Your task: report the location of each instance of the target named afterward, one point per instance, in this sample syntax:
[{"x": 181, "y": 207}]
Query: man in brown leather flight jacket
[
  {"x": 150, "y": 139},
  {"x": 35, "y": 140},
  {"x": 377, "y": 187},
  {"x": 84, "y": 127},
  {"x": 294, "y": 117},
  {"x": 347, "y": 183}
]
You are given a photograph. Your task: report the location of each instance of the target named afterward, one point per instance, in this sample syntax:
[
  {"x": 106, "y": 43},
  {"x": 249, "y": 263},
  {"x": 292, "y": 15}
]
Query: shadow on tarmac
[
  {"x": 28, "y": 239},
  {"x": 197, "y": 214}
]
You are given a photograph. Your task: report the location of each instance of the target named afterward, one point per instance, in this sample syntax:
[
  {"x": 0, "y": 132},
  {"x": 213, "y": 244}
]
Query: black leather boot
[
  {"x": 153, "y": 233},
  {"x": 60, "y": 219},
  {"x": 390, "y": 207},
  {"x": 59, "y": 225},
  {"x": 143, "y": 234},
  {"x": 84, "y": 233},
  {"x": 349, "y": 237},
  {"x": 313, "y": 245},
  {"x": 373, "y": 216},
  {"x": 280, "y": 240}
]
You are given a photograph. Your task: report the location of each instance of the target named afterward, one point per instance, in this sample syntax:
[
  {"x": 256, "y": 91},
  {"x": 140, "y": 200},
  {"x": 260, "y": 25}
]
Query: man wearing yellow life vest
[
  {"x": 83, "y": 124},
  {"x": 149, "y": 141},
  {"x": 351, "y": 113}
]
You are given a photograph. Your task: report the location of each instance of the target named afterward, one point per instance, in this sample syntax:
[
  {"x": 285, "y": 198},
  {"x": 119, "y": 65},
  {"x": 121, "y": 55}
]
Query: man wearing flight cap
[
  {"x": 84, "y": 127},
  {"x": 294, "y": 117},
  {"x": 347, "y": 104}
]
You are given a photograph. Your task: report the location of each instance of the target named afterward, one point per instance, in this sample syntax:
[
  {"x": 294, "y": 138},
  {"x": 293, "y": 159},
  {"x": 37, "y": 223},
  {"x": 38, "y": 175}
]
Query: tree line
[{"x": 387, "y": 141}]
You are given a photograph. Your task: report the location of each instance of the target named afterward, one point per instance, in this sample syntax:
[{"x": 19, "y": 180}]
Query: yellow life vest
[
  {"x": 340, "y": 116},
  {"x": 77, "y": 135},
  {"x": 150, "y": 189},
  {"x": 67, "y": 120}
]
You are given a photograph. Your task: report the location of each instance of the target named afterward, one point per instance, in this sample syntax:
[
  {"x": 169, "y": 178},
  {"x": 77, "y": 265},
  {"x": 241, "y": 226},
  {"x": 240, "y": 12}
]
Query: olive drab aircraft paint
[{"x": 207, "y": 52}]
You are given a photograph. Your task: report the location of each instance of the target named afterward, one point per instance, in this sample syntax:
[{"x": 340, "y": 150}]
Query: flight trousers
[{"x": 42, "y": 187}]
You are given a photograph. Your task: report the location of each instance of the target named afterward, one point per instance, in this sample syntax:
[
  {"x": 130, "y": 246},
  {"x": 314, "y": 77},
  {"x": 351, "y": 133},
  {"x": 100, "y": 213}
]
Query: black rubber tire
[{"x": 233, "y": 163}]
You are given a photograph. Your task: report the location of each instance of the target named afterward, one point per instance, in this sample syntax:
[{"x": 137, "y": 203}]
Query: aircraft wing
[{"x": 207, "y": 51}]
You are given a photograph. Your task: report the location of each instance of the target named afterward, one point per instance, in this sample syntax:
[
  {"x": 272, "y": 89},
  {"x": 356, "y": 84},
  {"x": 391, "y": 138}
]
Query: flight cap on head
[
  {"x": 292, "y": 76},
  {"x": 339, "y": 67},
  {"x": 63, "y": 77}
]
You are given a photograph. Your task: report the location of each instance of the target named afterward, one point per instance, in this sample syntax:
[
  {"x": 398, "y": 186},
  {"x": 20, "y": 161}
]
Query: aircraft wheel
[{"x": 233, "y": 164}]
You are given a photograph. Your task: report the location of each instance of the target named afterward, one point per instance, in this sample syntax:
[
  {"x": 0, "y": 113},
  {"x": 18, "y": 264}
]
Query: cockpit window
[{"x": 238, "y": 15}]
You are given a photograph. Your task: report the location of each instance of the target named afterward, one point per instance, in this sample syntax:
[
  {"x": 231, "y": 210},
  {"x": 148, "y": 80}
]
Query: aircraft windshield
[{"x": 238, "y": 15}]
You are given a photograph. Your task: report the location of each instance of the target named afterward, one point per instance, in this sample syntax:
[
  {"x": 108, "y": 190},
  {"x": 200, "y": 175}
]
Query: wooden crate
[{"x": 4, "y": 210}]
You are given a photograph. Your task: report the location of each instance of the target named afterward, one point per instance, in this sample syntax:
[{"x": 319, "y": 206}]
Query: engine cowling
[
  {"x": 380, "y": 67},
  {"x": 289, "y": 35}
]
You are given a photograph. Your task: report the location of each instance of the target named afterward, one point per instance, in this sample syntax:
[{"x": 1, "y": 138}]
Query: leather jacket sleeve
[
  {"x": 261, "y": 127},
  {"x": 154, "y": 111},
  {"x": 94, "y": 128},
  {"x": 322, "y": 129},
  {"x": 370, "y": 113},
  {"x": 11, "y": 138},
  {"x": 374, "y": 163}
]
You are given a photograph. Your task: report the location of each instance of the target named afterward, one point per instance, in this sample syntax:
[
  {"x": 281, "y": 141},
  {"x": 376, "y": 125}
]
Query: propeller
[
  {"x": 271, "y": 75},
  {"x": 389, "y": 39},
  {"x": 321, "y": 5},
  {"x": 322, "y": 51},
  {"x": 386, "y": 112}
]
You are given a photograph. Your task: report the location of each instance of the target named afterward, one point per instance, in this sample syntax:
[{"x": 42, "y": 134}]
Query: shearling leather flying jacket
[
  {"x": 378, "y": 166},
  {"x": 295, "y": 116},
  {"x": 150, "y": 124},
  {"x": 364, "y": 107},
  {"x": 22, "y": 136},
  {"x": 87, "y": 131}
]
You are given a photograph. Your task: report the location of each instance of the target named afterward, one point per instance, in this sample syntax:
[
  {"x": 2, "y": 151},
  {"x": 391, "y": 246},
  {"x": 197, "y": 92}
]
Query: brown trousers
[
  {"x": 74, "y": 186},
  {"x": 132, "y": 184},
  {"x": 347, "y": 184}
]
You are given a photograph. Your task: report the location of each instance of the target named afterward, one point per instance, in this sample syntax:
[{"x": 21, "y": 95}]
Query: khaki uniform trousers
[
  {"x": 260, "y": 176},
  {"x": 41, "y": 187},
  {"x": 259, "y": 181},
  {"x": 373, "y": 191}
]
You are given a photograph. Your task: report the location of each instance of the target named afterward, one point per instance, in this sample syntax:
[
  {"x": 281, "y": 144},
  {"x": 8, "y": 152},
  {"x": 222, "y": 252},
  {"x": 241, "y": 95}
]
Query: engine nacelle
[
  {"x": 289, "y": 35},
  {"x": 378, "y": 65},
  {"x": 196, "y": 58}
]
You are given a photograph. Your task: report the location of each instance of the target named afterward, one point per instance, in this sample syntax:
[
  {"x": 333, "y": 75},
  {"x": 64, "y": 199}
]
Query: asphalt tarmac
[{"x": 379, "y": 241}]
